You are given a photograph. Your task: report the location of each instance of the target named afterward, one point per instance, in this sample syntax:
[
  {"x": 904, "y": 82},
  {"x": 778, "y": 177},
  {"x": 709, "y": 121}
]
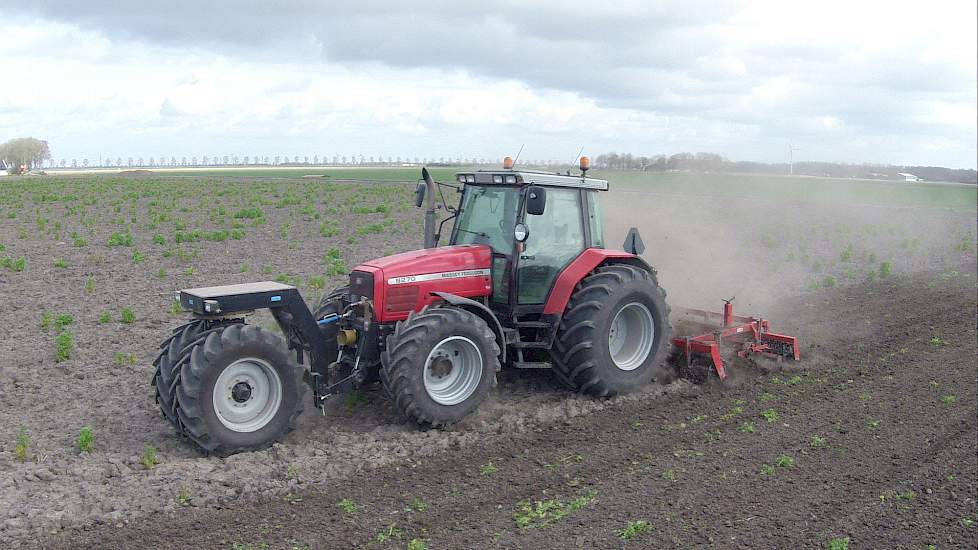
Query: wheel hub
[
  {"x": 241, "y": 392},
  {"x": 247, "y": 395},
  {"x": 452, "y": 370},
  {"x": 441, "y": 366},
  {"x": 631, "y": 336}
]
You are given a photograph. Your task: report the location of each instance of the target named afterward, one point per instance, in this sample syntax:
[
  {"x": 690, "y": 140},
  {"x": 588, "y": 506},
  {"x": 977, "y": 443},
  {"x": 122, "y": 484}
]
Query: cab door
[{"x": 555, "y": 238}]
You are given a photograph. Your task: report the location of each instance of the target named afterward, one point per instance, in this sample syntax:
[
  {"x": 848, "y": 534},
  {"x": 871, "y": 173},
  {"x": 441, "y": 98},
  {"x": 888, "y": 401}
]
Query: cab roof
[{"x": 525, "y": 177}]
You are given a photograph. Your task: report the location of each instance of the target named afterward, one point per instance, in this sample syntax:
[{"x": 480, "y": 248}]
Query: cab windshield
[{"x": 487, "y": 216}]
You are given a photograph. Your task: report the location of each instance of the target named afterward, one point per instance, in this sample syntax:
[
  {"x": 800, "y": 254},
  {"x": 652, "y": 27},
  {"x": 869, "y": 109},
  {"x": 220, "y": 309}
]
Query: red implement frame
[{"x": 750, "y": 334}]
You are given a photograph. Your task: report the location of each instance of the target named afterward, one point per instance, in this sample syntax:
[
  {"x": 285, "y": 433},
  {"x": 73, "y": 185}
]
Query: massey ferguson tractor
[{"x": 524, "y": 281}]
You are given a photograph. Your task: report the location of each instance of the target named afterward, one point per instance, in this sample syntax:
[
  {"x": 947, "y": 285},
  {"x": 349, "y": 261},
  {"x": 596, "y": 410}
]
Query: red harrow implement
[{"x": 748, "y": 335}]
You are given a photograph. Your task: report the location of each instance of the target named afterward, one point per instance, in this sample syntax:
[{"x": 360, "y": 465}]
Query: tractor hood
[{"x": 405, "y": 282}]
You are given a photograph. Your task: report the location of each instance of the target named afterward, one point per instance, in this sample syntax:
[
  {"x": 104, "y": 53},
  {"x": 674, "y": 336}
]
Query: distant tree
[
  {"x": 150, "y": 162},
  {"x": 74, "y": 163},
  {"x": 85, "y": 163},
  {"x": 30, "y": 152},
  {"x": 226, "y": 159},
  {"x": 205, "y": 160},
  {"x": 62, "y": 163}
]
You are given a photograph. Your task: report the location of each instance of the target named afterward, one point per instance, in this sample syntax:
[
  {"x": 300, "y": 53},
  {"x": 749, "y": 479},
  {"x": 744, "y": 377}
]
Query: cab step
[{"x": 532, "y": 364}]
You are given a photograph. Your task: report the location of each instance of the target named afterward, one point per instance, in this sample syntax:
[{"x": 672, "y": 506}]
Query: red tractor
[{"x": 524, "y": 281}]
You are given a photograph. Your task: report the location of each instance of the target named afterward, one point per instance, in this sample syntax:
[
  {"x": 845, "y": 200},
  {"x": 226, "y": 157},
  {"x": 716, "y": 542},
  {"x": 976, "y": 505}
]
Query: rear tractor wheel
[
  {"x": 237, "y": 389},
  {"x": 440, "y": 365},
  {"x": 614, "y": 333}
]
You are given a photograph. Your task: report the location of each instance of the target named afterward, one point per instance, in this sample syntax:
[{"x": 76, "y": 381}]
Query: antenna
[
  {"x": 518, "y": 154},
  {"x": 791, "y": 158},
  {"x": 579, "y": 151}
]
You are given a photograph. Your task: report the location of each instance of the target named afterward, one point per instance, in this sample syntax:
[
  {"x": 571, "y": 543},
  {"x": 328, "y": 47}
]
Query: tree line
[
  {"x": 28, "y": 153},
  {"x": 711, "y": 162}
]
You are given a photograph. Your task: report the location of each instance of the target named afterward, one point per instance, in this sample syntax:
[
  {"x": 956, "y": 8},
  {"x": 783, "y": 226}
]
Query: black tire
[
  {"x": 408, "y": 348},
  {"x": 334, "y": 302},
  {"x": 204, "y": 362},
  {"x": 166, "y": 363},
  {"x": 581, "y": 356}
]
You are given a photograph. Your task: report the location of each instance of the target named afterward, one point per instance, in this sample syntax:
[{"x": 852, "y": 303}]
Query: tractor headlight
[
  {"x": 497, "y": 178},
  {"x": 521, "y": 232},
  {"x": 510, "y": 179},
  {"x": 460, "y": 178},
  {"x": 470, "y": 178}
]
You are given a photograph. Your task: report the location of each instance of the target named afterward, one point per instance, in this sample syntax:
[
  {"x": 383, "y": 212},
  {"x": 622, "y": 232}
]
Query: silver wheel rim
[
  {"x": 453, "y": 370},
  {"x": 247, "y": 395},
  {"x": 631, "y": 335}
]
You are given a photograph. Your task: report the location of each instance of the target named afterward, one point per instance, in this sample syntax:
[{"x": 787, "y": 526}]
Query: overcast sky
[{"x": 889, "y": 82}]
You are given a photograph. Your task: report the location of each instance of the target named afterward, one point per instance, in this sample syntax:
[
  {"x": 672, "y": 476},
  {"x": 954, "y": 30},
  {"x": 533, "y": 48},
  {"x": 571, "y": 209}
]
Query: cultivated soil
[{"x": 872, "y": 437}]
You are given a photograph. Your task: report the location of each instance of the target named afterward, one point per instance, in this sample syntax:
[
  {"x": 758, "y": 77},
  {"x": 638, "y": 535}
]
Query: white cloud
[{"x": 881, "y": 81}]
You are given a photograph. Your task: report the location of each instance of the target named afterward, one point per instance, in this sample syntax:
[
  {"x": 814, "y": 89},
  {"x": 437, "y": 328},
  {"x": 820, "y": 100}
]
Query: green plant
[
  {"x": 89, "y": 285},
  {"x": 873, "y": 424},
  {"x": 317, "y": 283},
  {"x": 948, "y": 399},
  {"x": 354, "y": 400},
  {"x": 828, "y": 281},
  {"x": 85, "y": 440},
  {"x": 747, "y": 428},
  {"x": 148, "y": 458},
  {"x": 19, "y": 264},
  {"x": 183, "y": 496},
  {"x": 767, "y": 470},
  {"x": 816, "y": 442},
  {"x": 60, "y": 263},
  {"x": 839, "y": 544},
  {"x": 123, "y": 359},
  {"x": 785, "y": 461},
  {"x": 64, "y": 343},
  {"x": 46, "y": 320},
  {"x": 886, "y": 269},
  {"x": 417, "y": 544},
  {"x": 545, "y": 512},
  {"x": 391, "y": 532},
  {"x": 634, "y": 528},
  {"x": 418, "y": 505},
  {"x": 347, "y": 506},
  {"x": 137, "y": 256},
  {"x": 162, "y": 273},
  {"x": 159, "y": 239},
  {"x": 669, "y": 474},
  {"x": 127, "y": 316},
  {"x": 23, "y": 445},
  {"x": 770, "y": 415},
  {"x": 104, "y": 317},
  {"x": 62, "y": 321},
  {"x": 120, "y": 239},
  {"x": 938, "y": 341},
  {"x": 488, "y": 469}
]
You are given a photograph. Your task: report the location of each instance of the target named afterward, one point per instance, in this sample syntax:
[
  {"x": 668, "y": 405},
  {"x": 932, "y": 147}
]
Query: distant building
[{"x": 908, "y": 177}]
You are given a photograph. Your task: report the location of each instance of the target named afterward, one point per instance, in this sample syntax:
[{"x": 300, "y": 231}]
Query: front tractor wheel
[
  {"x": 440, "y": 364},
  {"x": 614, "y": 333},
  {"x": 237, "y": 390}
]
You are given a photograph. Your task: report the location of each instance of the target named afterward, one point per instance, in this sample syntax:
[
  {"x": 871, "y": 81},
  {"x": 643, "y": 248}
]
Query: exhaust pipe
[{"x": 429, "y": 214}]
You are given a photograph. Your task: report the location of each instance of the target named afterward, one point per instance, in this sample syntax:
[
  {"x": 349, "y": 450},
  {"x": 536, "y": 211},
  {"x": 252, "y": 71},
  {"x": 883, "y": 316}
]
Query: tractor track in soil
[{"x": 897, "y": 467}]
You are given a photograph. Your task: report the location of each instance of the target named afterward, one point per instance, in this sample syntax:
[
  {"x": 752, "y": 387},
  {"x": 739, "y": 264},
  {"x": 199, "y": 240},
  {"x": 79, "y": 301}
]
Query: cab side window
[{"x": 556, "y": 237}]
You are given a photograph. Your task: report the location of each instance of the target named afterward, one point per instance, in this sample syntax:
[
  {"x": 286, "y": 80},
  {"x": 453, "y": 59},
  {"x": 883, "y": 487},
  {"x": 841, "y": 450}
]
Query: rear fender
[
  {"x": 482, "y": 311},
  {"x": 581, "y": 267}
]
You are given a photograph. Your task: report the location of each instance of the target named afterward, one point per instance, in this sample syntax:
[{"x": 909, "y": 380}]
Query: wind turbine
[{"x": 791, "y": 158}]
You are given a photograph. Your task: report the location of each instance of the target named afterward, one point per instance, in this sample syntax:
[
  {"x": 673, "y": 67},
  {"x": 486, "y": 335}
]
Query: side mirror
[
  {"x": 536, "y": 200},
  {"x": 419, "y": 194},
  {"x": 633, "y": 242}
]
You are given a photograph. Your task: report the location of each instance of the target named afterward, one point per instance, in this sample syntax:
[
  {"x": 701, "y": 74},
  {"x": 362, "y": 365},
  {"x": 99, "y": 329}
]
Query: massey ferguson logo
[{"x": 438, "y": 276}]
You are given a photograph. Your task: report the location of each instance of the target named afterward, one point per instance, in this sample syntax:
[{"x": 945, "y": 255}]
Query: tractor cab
[{"x": 536, "y": 224}]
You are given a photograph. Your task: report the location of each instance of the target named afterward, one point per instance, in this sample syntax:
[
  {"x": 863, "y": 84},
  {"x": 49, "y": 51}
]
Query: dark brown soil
[{"x": 879, "y": 422}]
